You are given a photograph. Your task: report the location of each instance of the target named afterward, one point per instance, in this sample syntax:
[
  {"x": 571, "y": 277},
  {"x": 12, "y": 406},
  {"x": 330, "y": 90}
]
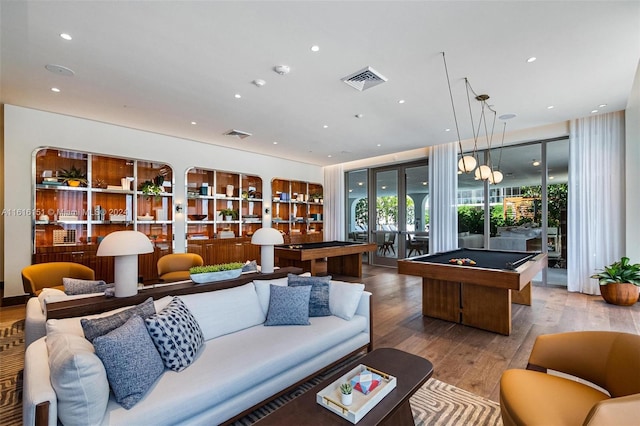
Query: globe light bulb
[
  {"x": 496, "y": 177},
  {"x": 483, "y": 172},
  {"x": 467, "y": 164}
]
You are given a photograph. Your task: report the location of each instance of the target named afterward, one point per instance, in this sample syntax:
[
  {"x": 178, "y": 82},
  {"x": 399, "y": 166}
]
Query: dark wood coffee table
[{"x": 410, "y": 370}]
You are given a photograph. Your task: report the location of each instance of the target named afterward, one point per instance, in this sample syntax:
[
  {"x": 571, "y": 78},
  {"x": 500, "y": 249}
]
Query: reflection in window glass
[{"x": 357, "y": 206}]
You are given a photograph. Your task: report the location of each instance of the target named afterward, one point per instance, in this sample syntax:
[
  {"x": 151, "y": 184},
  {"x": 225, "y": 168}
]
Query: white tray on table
[{"x": 329, "y": 397}]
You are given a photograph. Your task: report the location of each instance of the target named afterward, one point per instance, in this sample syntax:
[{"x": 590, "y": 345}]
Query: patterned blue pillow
[
  {"x": 100, "y": 326},
  {"x": 131, "y": 360},
  {"x": 176, "y": 334},
  {"x": 319, "y": 300},
  {"x": 288, "y": 305},
  {"x": 73, "y": 286}
]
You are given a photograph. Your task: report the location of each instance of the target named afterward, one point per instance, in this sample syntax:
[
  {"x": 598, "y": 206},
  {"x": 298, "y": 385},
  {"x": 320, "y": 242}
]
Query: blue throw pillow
[
  {"x": 319, "y": 300},
  {"x": 288, "y": 305},
  {"x": 131, "y": 360},
  {"x": 176, "y": 334},
  {"x": 100, "y": 326}
]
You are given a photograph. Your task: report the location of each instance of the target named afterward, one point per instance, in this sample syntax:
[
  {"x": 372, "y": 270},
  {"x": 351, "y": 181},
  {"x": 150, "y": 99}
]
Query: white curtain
[
  {"x": 596, "y": 198},
  {"x": 334, "y": 210},
  {"x": 443, "y": 190}
]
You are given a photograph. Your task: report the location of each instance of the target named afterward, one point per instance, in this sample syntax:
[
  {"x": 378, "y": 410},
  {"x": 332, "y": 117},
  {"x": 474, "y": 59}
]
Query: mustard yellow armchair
[
  {"x": 175, "y": 266},
  {"x": 50, "y": 275},
  {"x": 609, "y": 360}
]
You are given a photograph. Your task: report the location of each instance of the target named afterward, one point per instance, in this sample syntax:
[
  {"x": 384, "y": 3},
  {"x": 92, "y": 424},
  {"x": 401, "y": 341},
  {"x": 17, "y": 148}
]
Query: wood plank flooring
[{"x": 463, "y": 356}]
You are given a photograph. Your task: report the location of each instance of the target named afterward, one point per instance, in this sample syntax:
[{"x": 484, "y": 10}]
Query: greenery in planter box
[
  {"x": 215, "y": 268},
  {"x": 619, "y": 272}
]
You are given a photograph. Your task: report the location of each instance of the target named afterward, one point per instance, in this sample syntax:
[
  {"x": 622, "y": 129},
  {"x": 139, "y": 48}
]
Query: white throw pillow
[
  {"x": 79, "y": 379},
  {"x": 344, "y": 298},
  {"x": 264, "y": 290},
  {"x": 225, "y": 311}
]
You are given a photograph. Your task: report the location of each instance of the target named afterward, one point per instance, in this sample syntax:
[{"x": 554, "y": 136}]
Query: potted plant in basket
[
  {"x": 209, "y": 273},
  {"x": 73, "y": 176},
  {"x": 619, "y": 282}
]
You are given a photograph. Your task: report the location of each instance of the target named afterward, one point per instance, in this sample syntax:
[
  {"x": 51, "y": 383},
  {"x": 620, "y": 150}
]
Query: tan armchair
[
  {"x": 175, "y": 266},
  {"x": 50, "y": 275},
  {"x": 610, "y": 360}
]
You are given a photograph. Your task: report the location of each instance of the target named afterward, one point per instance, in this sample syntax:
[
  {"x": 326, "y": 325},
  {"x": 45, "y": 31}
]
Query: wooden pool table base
[{"x": 488, "y": 308}]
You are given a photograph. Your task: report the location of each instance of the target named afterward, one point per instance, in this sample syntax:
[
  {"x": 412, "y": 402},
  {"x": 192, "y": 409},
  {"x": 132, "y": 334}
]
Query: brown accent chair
[
  {"x": 50, "y": 275},
  {"x": 610, "y": 360},
  {"x": 175, "y": 266}
]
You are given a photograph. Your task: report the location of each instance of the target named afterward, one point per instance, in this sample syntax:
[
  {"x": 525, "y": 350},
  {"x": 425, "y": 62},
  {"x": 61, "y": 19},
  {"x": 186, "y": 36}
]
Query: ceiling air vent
[
  {"x": 238, "y": 133},
  {"x": 364, "y": 79}
]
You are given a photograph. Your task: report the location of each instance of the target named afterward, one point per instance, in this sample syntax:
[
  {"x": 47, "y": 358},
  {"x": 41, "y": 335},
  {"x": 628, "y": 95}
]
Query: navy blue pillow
[
  {"x": 319, "y": 300},
  {"x": 288, "y": 305}
]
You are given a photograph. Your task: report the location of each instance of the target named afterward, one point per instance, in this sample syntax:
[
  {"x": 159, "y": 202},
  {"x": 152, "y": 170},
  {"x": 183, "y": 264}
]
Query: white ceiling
[{"x": 158, "y": 66}]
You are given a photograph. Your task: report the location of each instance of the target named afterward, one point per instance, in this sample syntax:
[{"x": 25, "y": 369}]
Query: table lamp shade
[
  {"x": 125, "y": 246},
  {"x": 267, "y": 238}
]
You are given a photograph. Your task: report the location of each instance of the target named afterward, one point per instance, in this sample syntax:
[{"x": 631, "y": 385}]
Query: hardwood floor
[{"x": 463, "y": 356}]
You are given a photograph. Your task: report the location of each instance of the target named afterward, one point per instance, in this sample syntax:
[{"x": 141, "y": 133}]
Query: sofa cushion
[
  {"x": 50, "y": 294},
  {"x": 344, "y": 298},
  {"x": 225, "y": 311},
  {"x": 100, "y": 326},
  {"x": 79, "y": 379},
  {"x": 319, "y": 299},
  {"x": 73, "y": 325},
  {"x": 176, "y": 334},
  {"x": 289, "y": 305},
  {"x": 263, "y": 289},
  {"x": 77, "y": 286},
  {"x": 131, "y": 360}
]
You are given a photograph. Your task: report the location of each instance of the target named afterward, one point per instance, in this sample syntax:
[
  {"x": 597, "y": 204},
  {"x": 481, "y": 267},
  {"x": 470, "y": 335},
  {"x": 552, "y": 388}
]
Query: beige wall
[
  {"x": 632, "y": 171},
  {"x": 28, "y": 129}
]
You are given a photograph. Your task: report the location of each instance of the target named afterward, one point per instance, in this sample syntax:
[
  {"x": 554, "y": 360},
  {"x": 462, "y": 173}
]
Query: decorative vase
[
  {"x": 228, "y": 218},
  {"x": 230, "y": 189},
  {"x": 73, "y": 182},
  {"x": 346, "y": 399},
  {"x": 622, "y": 294}
]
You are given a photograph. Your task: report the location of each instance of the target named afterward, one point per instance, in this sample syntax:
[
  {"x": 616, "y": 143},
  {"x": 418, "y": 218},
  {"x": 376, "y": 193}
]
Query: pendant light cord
[{"x": 455, "y": 118}]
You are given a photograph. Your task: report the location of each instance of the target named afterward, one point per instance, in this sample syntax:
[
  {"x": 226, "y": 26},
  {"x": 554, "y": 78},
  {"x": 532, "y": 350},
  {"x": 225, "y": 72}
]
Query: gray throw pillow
[
  {"x": 73, "y": 286},
  {"x": 288, "y": 305},
  {"x": 176, "y": 334},
  {"x": 100, "y": 326},
  {"x": 131, "y": 360},
  {"x": 319, "y": 300},
  {"x": 250, "y": 266}
]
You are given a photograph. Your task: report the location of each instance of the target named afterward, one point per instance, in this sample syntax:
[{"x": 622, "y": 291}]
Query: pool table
[
  {"x": 343, "y": 257},
  {"x": 478, "y": 292}
]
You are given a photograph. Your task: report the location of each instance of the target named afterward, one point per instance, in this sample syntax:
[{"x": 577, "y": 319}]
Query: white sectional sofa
[{"x": 241, "y": 364}]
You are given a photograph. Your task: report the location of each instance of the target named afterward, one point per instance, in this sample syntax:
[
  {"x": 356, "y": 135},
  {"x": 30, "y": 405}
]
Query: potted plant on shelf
[
  {"x": 73, "y": 176},
  {"x": 150, "y": 188},
  {"x": 316, "y": 197},
  {"x": 229, "y": 214},
  {"x": 209, "y": 273},
  {"x": 346, "y": 393},
  {"x": 619, "y": 282}
]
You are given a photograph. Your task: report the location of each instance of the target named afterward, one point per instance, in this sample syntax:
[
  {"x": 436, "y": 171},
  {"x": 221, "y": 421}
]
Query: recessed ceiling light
[
  {"x": 55, "y": 89},
  {"x": 401, "y": 101},
  {"x": 552, "y": 177},
  {"x": 507, "y": 116},
  {"x": 359, "y": 115},
  {"x": 550, "y": 107},
  {"x": 66, "y": 36},
  {"x": 535, "y": 163},
  {"x": 424, "y": 183},
  {"x": 531, "y": 59},
  {"x": 602, "y": 105},
  {"x": 275, "y": 142},
  {"x": 447, "y": 130},
  {"x": 259, "y": 82},
  {"x": 379, "y": 145},
  {"x": 315, "y": 48},
  {"x": 383, "y": 187},
  {"x": 60, "y": 70},
  {"x": 351, "y": 190},
  {"x": 360, "y": 183},
  {"x": 194, "y": 123},
  {"x": 326, "y": 126},
  {"x": 594, "y": 111},
  {"x": 329, "y": 155},
  {"x": 237, "y": 95}
]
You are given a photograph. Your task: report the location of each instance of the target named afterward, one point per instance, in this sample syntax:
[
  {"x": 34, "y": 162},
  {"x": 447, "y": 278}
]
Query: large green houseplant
[{"x": 620, "y": 282}]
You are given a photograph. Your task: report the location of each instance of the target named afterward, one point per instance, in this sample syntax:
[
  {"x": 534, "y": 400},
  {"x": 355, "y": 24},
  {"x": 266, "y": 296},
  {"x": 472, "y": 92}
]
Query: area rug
[{"x": 436, "y": 403}]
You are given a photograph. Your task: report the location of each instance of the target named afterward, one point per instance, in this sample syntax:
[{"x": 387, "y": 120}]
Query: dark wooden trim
[
  {"x": 98, "y": 304},
  {"x": 295, "y": 385},
  {"x": 370, "y": 345},
  {"x": 14, "y": 300},
  {"x": 42, "y": 414}
]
